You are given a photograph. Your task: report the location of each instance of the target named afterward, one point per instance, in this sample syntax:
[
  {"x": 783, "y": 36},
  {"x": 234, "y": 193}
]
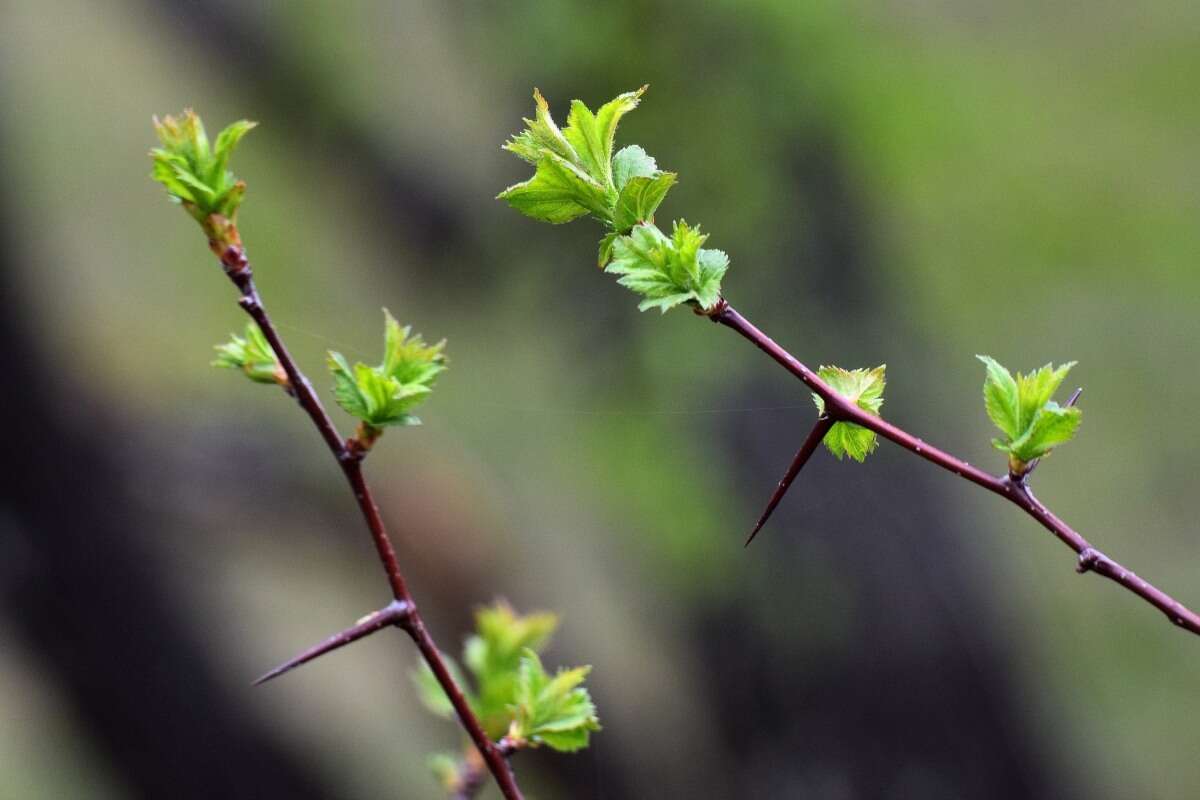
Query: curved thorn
[
  {"x": 802, "y": 455},
  {"x": 391, "y": 614}
]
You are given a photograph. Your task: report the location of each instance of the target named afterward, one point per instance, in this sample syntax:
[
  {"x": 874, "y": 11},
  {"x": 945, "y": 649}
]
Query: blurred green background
[{"x": 909, "y": 183}]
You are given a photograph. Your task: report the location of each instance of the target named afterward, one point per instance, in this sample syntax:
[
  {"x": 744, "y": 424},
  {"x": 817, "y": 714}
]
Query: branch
[
  {"x": 349, "y": 457},
  {"x": 472, "y": 772},
  {"x": 1015, "y": 489}
]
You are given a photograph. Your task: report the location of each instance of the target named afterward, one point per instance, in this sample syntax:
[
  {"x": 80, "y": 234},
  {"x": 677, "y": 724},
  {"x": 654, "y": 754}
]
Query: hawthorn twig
[
  {"x": 403, "y": 611},
  {"x": 473, "y": 772},
  {"x": 1013, "y": 488}
]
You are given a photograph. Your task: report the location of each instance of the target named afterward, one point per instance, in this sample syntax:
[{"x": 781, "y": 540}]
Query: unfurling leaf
[
  {"x": 864, "y": 388},
  {"x": 668, "y": 271},
  {"x": 252, "y": 355},
  {"x": 555, "y": 711},
  {"x": 383, "y": 395},
  {"x": 1022, "y": 408},
  {"x": 574, "y": 174},
  {"x": 577, "y": 174},
  {"x": 196, "y": 174}
]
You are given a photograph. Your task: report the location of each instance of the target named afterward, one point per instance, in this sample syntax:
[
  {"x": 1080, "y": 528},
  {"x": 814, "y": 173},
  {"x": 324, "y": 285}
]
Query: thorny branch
[
  {"x": 402, "y": 612},
  {"x": 1013, "y": 488}
]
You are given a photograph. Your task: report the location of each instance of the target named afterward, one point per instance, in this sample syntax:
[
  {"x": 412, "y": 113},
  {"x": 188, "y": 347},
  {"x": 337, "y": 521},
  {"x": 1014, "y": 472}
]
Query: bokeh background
[{"x": 899, "y": 182}]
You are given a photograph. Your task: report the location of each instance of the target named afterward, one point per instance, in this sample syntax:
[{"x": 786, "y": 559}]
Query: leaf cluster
[
  {"x": 577, "y": 174},
  {"x": 555, "y": 711},
  {"x": 384, "y": 395},
  {"x": 252, "y": 355},
  {"x": 511, "y": 693},
  {"x": 864, "y": 388},
  {"x": 1022, "y": 408},
  {"x": 195, "y": 172},
  {"x": 668, "y": 271}
]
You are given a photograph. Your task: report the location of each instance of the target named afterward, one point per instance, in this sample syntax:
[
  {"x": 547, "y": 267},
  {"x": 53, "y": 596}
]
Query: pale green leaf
[
  {"x": 864, "y": 388},
  {"x": 631, "y": 162},
  {"x": 640, "y": 198},
  {"x": 1001, "y": 397}
]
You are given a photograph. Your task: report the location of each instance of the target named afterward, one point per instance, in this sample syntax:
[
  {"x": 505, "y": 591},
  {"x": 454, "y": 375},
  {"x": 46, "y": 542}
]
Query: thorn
[
  {"x": 802, "y": 455},
  {"x": 391, "y": 614},
  {"x": 1075, "y": 397}
]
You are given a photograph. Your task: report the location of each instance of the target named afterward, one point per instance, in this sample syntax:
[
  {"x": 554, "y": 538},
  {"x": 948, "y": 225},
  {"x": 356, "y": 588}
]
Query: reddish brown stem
[
  {"x": 811, "y": 443},
  {"x": 391, "y": 614},
  {"x": 237, "y": 267},
  {"x": 1015, "y": 489}
]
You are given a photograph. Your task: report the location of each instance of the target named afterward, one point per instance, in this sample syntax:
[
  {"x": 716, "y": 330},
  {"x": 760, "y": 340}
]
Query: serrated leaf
[
  {"x": 640, "y": 198},
  {"x": 382, "y": 396},
  {"x": 1036, "y": 389},
  {"x": 631, "y": 162},
  {"x": 864, "y": 388},
  {"x": 194, "y": 173},
  {"x": 553, "y": 711},
  {"x": 1051, "y": 425},
  {"x": 252, "y": 355},
  {"x": 1001, "y": 397},
  {"x": 605, "y": 251},
  {"x": 558, "y": 192},
  {"x": 1022, "y": 409},
  {"x": 668, "y": 271}
]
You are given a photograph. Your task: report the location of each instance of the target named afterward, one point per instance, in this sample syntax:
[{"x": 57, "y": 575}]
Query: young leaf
[
  {"x": 383, "y": 395},
  {"x": 631, "y": 162},
  {"x": 640, "y": 198},
  {"x": 554, "y": 711},
  {"x": 493, "y": 656},
  {"x": 196, "y": 174},
  {"x": 252, "y": 355},
  {"x": 668, "y": 271},
  {"x": 558, "y": 192},
  {"x": 1022, "y": 409},
  {"x": 864, "y": 388},
  {"x": 1001, "y": 397}
]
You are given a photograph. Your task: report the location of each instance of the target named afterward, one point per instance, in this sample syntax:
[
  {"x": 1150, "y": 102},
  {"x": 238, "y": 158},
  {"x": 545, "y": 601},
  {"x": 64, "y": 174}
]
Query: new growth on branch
[
  {"x": 578, "y": 174},
  {"x": 515, "y": 703}
]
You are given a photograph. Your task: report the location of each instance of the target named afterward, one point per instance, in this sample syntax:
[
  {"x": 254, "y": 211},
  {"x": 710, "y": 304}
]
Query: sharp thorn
[
  {"x": 390, "y": 614},
  {"x": 811, "y": 443}
]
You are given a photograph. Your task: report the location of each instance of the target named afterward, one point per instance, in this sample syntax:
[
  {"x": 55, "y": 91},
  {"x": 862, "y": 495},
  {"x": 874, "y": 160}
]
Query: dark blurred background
[{"x": 901, "y": 182}]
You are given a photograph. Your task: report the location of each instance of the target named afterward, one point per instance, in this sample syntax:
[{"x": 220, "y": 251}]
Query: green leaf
[
  {"x": 592, "y": 135},
  {"x": 640, "y": 198},
  {"x": 1036, "y": 389},
  {"x": 252, "y": 355},
  {"x": 606, "y": 247},
  {"x": 555, "y": 711},
  {"x": 558, "y": 192},
  {"x": 631, "y": 162},
  {"x": 195, "y": 173},
  {"x": 864, "y": 388},
  {"x": 668, "y": 271},
  {"x": 493, "y": 656},
  {"x": 383, "y": 396},
  {"x": 1051, "y": 425},
  {"x": 1022, "y": 408},
  {"x": 1001, "y": 397}
]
